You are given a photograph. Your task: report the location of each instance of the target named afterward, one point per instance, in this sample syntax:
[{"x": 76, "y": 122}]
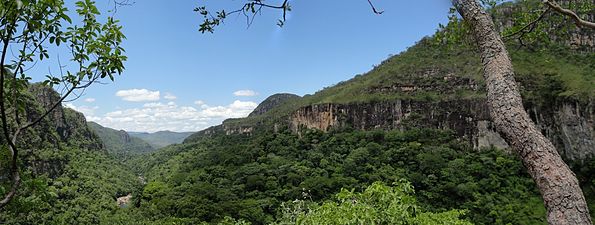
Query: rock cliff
[
  {"x": 63, "y": 128},
  {"x": 124, "y": 136},
  {"x": 569, "y": 126}
]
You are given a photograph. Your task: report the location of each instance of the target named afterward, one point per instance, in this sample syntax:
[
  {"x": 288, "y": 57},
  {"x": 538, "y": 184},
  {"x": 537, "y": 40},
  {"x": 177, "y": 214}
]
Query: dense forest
[
  {"x": 434, "y": 159},
  {"x": 277, "y": 168}
]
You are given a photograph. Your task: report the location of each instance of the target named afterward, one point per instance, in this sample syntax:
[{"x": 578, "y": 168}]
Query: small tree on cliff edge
[
  {"x": 563, "y": 198},
  {"x": 27, "y": 29}
]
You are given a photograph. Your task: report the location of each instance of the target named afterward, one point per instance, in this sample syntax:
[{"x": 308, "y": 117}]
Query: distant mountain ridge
[
  {"x": 272, "y": 102},
  {"x": 119, "y": 142},
  {"x": 161, "y": 139}
]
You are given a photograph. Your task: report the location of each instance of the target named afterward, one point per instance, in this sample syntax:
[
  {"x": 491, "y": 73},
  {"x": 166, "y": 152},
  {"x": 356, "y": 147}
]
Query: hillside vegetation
[
  {"x": 68, "y": 177},
  {"x": 252, "y": 177}
]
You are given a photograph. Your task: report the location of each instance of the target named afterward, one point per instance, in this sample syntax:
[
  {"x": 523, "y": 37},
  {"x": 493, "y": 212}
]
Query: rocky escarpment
[
  {"x": 124, "y": 136},
  {"x": 399, "y": 114},
  {"x": 272, "y": 102},
  {"x": 569, "y": 126},
  {"x": 63, "y": 128}
]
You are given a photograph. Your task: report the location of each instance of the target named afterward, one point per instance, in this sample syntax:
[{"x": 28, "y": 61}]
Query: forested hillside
[
  {"x": 251, "y": 177},
  {"x": 69, "y": 175}
]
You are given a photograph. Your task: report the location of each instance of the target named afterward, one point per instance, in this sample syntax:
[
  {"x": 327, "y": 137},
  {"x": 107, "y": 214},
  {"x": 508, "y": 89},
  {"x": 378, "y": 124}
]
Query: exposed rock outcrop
[
  {"x": 63, "y": 127},
  {"x": 434, "y": 80},
  {"x": 573, "y": 130},
  {"x": 569, "y": 126},
  {"x": 124, "y": 201},
  {"x": 124, "y": 136},
  {"x": 69, "y": 125}
]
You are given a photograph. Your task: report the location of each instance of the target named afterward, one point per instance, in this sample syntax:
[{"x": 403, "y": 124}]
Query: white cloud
[
  {"x": 138, "y": 95},
  {"x": 245, "y": 93},
  {"x": 199, "y": 102},
  {"x": 237, "y": 104},
  {"x": 234, "y": 110},
  {"x": 87, "y": 110},
  {"x": 170, "y": 96},
  {"x": 156, "y": 116},
  {"x": 89, "y": 100}
]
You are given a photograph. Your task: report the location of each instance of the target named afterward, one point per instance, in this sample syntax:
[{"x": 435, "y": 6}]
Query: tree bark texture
[{"x": 562, "y": 195}]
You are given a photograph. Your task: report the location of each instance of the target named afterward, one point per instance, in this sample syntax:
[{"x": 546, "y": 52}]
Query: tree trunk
[{"x": 562, "y": 195}]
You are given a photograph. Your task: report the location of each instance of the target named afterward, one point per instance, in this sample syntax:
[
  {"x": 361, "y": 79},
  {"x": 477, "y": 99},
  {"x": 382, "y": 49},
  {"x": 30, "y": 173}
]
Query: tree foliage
[{"x": 377, "y": 204}]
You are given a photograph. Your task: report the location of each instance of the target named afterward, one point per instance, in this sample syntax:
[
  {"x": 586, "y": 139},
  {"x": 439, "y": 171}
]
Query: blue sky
[{"x": 196, "y": 75}]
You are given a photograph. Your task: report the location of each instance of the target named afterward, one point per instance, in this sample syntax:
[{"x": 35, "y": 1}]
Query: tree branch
[
  {"x": 120, "y": 3},
  {"x": 577, "y": 19},
  {"x": 15, "y": 93},
  {"x": 374, "y": 8},
  {"x": 16, "y": 179},
  {"x": 250, "y": 7},
  {"x": 532, "y": 25},
  {"x": 260, "y": 5}
]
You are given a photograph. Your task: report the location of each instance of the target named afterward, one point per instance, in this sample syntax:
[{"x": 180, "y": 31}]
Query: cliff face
[
  {"x": 573, "y": 130},
  {"x": 124, "y": 136},
  {"x": 569, "y": 126},
  {"x": 62, "y": 126},
  {"x": 398, "y": 114},
  {"x": 41, "y": 145}
]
